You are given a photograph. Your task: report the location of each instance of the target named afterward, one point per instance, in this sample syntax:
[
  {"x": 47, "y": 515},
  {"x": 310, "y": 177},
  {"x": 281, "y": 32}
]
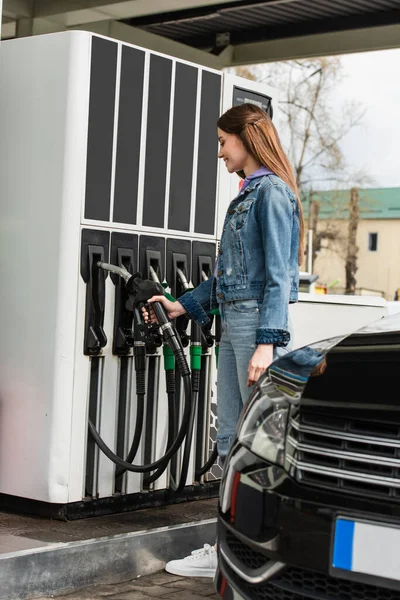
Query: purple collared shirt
[{"x": 259, "y": 173}]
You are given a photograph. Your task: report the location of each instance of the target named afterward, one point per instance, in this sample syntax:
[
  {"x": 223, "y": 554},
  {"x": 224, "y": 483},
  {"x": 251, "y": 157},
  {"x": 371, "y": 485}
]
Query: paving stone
[
  {"x": 194, "y": 583},
  {"x": 137, "y": 595},
  {"x": 146, "y": 587},
  {"x": 99, "y": 591},
  {"x": 186, "y": 595},
  {"x": 158, "y": 585},
  {"x": 162, "y": 578}
]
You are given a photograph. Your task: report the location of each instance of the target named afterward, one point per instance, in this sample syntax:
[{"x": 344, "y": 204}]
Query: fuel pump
[
  {"x": 209, "y": 342},
  {"x": 203, "y": 260},
  {"x": 170, "y": 383},
  {"x": 95, "y": 247},
  {"x": 103, "y": 203},
  {"x": 195, "y": 366},
  {"x": 152, "y": 267},
  {"x": 125, "y": 343},
  {"x": 139, "y": 351},
  {"x": 139, "y": 292},
  {"x": 178, "y": 256}
]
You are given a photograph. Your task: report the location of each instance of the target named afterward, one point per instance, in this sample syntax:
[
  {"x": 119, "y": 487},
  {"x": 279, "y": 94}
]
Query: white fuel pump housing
[{"x": 105, "y": 148}]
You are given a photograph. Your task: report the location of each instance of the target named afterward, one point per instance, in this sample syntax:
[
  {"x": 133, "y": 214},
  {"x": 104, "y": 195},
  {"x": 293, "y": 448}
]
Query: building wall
[{"x": 377, "y": 270}]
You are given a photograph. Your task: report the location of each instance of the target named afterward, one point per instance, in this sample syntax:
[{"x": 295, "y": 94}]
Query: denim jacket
[{"x": 257, "y": 259}]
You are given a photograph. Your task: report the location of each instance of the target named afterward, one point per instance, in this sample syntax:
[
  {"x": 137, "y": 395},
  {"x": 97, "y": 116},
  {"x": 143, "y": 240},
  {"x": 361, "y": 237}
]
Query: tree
[
  {"x": 330, "y": 232},
  {"x": 352, "y": 248},
  {"x": 312, "y": 123},
  {"x": 310, "y": 120}
]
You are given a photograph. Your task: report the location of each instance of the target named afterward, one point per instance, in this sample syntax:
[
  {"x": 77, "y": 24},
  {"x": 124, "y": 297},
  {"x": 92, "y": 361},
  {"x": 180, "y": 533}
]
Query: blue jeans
[{"x": 239, "y": 321}]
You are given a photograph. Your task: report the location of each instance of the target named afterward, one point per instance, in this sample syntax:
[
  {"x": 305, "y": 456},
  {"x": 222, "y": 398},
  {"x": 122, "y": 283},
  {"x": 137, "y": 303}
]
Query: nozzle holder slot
[
  {"x": 152, "y": 254},
  {"x": 94, "y": 248},
  {"x": 203, "y": 259},
  {"x": 153, "y": 260},
  {"x": 179, "y": 256},
  {"x": 124, "y": 253},
  {"x": 205, "y": 266},
  {"x": 179, "y": 262}
]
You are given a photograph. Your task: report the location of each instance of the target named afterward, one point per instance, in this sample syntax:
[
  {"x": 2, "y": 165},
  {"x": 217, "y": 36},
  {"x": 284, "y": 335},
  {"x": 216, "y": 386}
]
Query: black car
[{"x": 310, "y": 496}]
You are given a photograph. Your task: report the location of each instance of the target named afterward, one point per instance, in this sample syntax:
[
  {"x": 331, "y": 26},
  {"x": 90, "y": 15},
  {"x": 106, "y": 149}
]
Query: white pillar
[{"x": 309, "y": 253}]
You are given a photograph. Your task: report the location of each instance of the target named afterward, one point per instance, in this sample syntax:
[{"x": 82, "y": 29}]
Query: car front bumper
[{"x": 275, "y": 537}]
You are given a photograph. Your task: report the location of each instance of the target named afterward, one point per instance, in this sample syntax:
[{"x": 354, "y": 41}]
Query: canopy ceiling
[{"x": 219, "y": 34}]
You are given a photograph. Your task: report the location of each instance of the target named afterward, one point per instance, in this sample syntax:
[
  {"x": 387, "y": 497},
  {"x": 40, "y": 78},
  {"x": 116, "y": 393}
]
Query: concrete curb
[{"x": 65, "y": 567}]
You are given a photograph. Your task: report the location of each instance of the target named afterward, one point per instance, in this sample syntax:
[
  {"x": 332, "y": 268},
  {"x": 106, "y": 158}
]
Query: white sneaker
[{"x": 200, "y": 563}]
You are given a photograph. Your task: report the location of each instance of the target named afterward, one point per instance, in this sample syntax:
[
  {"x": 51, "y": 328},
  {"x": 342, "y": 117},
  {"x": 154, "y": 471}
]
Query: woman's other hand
[
  {"x": 174, "y": 309},
  {"x": 261, "y": 359}
]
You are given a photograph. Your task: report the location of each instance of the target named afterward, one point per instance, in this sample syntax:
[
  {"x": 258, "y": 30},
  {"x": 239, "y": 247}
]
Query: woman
[{"x": 255, "y": 278}]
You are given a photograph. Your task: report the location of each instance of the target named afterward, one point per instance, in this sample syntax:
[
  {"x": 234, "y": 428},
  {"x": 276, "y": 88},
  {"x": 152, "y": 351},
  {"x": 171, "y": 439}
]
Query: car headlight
[{"x": 263, "y": 427}]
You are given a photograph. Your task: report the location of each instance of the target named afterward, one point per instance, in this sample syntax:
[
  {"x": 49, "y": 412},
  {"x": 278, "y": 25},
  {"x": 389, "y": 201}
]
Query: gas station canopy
[{"x": 219, "y": 34}]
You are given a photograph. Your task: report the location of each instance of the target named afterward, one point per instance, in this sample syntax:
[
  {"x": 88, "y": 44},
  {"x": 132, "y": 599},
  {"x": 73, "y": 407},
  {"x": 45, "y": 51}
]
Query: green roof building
[{"x": 378, "y": 238}]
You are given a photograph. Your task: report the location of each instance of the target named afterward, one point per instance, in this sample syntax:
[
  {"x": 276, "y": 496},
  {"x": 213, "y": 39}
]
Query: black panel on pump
[
  {"x": 241, "y": 96},
  {"x": 157, "y": 141},
  {"x": 180, "y": 188},
  {"x": 129, "y": 135},
  {"x": 207, "y": 163},
  {"x": 101, "y": 129}
]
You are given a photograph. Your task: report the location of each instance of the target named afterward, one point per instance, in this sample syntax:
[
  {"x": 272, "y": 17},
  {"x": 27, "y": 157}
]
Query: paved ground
[
  {"x": 51, "y": 530},
  {"x": 160, "y": 585}
]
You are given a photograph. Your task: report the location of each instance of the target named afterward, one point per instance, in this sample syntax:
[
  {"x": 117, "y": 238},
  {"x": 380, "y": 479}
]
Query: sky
[{"x": 372, "y": 78}]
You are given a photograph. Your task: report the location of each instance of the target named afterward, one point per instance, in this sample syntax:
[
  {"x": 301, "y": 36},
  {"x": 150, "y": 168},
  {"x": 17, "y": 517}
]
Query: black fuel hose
[
  {"x": 142, "y": 290},
  {"x": 189, "y": 436},
  {"x": 170, "y": 336},
  {"x": 195, "y": 364},
  {"x": 137, "y": 433},
  {"x": 207, "y": 466},
  {"x": 169, "y": 453},
  {"x": 171, "y": 395},
  {"x": 140, "y": 371},
  {"x": 214, "y": 454}
]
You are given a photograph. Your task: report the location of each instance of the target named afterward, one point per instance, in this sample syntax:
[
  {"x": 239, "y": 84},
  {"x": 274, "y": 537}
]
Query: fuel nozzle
[
  {"x": 121, "y": 271},
  {"x": 140, "y": 291},
  {"x": 183, "y": 280},
  {"x": 182, "y": 322}
]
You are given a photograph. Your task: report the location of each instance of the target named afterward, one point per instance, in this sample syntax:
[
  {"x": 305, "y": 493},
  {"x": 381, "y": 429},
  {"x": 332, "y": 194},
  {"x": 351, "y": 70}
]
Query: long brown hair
[{"x": 260, "y": 138}]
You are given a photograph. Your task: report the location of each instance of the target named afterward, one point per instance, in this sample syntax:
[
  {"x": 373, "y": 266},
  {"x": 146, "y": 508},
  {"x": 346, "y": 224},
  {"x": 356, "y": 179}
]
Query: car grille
[
  {"x": 318, "y": 585},
  {"x": 249, "y": 557},
  {"x": 298, "y": 584},
  {"x": 352, "y": 455}
]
